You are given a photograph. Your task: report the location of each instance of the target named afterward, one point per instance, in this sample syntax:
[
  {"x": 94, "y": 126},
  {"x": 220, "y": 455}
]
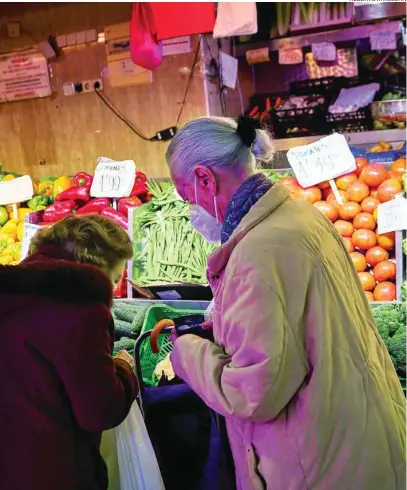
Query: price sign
[
  {"x": 322, "y": 160},
  {"x": 113, "y": 179},
  {"x": 29, "y": 231},
  {"x": 290, "y": 56},
  {"x": 16, "y": 190},
  {"x": 254, "y": 56},
  {"x": 392, "y": 215},
  {"x": 324, "y": 51},
  {"x": 382, "y": 40}
]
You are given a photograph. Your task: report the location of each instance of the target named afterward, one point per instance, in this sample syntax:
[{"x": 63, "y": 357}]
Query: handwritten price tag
[
  {"x": 290, "y": 56},
  {"x": 254, "y": 56},
  {"x": 392, "y": 215},
  {"x": 322, "y": 160},
  {"x": 16, "y": 190},
  {"x": 113, "y": 179},
  {"x": 29, "y": 231},
  {"x": 324, "y": 51},
  {"x": 382, "y": 40}
]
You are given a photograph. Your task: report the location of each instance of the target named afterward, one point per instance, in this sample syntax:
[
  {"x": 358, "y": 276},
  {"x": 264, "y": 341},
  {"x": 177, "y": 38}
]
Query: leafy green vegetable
[
  {"x": 404, "y": 245},
  {"x": 397, "y": 350},
  {"x": 123, "y": 344},
  {"x": 390, "y": 317},
  {"x": 274, "y": 175},
  {"x": 404, "y": 291}
]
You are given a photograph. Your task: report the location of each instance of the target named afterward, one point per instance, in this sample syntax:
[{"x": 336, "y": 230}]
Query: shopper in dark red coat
[{"x": 60, "y": 386}]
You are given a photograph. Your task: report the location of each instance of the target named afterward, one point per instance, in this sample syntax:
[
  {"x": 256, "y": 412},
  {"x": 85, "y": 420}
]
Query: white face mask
[{"x": 204, "y": 223}]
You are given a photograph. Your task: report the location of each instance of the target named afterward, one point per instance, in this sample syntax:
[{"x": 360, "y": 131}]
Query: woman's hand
[
  {"x": 125, "y": 356},
  {"x": 208, "y": 325}
]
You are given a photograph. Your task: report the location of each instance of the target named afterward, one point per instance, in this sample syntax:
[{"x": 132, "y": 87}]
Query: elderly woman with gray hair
[{"x": 307, "y": 387}]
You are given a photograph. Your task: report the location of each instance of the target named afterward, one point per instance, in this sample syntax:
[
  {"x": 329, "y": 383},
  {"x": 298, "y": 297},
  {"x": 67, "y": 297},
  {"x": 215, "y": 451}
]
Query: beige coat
[{"x": 308, "y": 389}]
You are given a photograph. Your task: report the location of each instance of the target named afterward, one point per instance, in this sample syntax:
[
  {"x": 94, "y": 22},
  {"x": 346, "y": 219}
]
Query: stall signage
[
  {"x": 254, "y": 56},
  {"x": 392, "y": 215},
  {"x": 29, "y": 231},
  {"x": 290, "y": 56},
  {"x": 113, "y": 179},
  {"x": 382, "y": 40},
  {"x": 24, "y": 75},
  {"x": 324, "y": 51},
  {"x": 322, "y": 160}
]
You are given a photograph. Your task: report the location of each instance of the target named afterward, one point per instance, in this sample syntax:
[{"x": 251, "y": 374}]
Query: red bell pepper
[
  {"x": 75, "y": 193},
  {"x": 125, "y": 203},
  {"x": 96, "y": 205},
  {"x": 58, "y": 211},
  {"x": 268, "y": 104},
  {"x": 121, "y": 288},
  {"x": 82, "y": 178},
  {"x": 115, "y": 216},
  {"x": 141, "y": 177},
  {"x": 139, "y": 189},
  {"x": 254, "y": 111}
]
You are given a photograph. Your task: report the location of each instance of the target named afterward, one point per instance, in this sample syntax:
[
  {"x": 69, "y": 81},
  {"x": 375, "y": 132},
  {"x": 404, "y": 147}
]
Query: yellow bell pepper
[
  {"x": 8, "y": 177},
  {"x": 5, "y": 241},
  {"x": 10, "y": 228},
  {"x": 14, "y": 249},
  {"x": 20, "y": 231},
  {"x": 6, "y": 260},
  {"x": 22, "y": 212},
  {"x": 62, "y": 184},
  {"x": 45, "y": 188}
]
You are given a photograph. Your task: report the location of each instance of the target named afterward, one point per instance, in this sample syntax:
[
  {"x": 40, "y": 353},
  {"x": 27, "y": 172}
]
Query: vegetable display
[{"x": 355, "y": 219}]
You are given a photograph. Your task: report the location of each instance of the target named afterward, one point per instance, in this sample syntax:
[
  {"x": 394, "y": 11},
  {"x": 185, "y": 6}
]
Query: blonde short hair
[{"x": 92, "y": 240}]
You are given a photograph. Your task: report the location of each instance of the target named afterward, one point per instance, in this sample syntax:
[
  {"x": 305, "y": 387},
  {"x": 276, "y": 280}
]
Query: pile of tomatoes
[{"x": 356, "y": 220}]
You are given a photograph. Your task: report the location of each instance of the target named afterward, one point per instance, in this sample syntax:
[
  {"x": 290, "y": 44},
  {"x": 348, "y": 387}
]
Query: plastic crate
[
  {"x": 350, "y": 122},
  {"x": 148, "y": 359}
]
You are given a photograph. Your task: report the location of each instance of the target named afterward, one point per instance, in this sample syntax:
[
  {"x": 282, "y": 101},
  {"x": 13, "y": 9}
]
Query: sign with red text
[
  {"x": 24, "y": 75},
  {"x": 290, "y": 56}
]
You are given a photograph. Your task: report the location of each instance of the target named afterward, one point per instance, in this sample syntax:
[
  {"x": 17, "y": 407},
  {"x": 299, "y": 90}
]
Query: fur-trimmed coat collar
[{"x": 55, "y": 278}]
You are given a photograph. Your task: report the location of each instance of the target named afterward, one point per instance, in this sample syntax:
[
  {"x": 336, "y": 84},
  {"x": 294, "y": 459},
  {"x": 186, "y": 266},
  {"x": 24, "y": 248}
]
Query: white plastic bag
[
  {"x": 108, "y": 451},
  {"x": 138, "y": 465},
  {"x": 235, "y": 19}
]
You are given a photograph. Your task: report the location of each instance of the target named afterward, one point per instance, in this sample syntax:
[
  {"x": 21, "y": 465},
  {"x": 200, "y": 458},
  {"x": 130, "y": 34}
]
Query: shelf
[
  {"x": 335, "y": 36},
  {"x": 365, "y": 138}
]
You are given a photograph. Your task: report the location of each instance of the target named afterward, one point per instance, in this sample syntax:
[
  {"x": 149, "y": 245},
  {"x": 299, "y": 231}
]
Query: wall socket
[{"x": 92, "y": 85}]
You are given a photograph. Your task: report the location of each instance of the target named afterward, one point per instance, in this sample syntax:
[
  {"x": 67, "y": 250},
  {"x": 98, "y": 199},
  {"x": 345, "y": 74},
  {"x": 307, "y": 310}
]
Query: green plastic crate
[{"x": 148, "y": 359}]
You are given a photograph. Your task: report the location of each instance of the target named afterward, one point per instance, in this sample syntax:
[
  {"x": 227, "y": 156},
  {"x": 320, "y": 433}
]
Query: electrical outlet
[{"x": 92, "y": 85}]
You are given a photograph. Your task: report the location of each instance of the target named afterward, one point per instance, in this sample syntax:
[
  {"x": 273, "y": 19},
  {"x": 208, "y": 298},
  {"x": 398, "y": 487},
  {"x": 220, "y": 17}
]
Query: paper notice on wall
[{"x": 24, "y": 75}]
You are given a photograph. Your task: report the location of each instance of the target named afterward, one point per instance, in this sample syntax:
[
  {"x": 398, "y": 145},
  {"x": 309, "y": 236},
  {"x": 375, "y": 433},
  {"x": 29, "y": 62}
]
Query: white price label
[
  {"x": 324, "y": 51},
  {"x": 16, "y": 190},
  {"x": 392, "y": 215},
  {"x": 382, "y": 40},
  {"x": 113, "y": 179},
  {"x": 290, "y": 56},
  {"x": 322, "y": 160},
  {"x": 29, "y": 231}
]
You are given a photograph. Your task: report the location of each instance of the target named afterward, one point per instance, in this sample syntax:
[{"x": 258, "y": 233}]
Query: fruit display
[
  {"x": 355, "y": 219},
  {"x": 56, "y": 198}
]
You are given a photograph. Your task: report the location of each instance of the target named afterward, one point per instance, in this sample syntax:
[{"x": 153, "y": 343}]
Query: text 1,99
[{"x": 109, "y": 183}]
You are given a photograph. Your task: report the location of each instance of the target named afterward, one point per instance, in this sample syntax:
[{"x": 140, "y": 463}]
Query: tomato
[
  {"x": 310, "y": 194},
  {"x": 394, "y": 176},
  {"x": 364, "y": 239},
  {"x": 348, "y": 244},
  {"x": 359, "y": 261},
  {"x": 373, "y": 174},
  {"x": 331, "y": 197},
  {"x": 344, "y": 228},
  {"x": 364, "y": 221},
  {"x": 367, "y": 280},
  {"x": 357, "y": 191},
  {"x": 327, "y": 209},
  {"x": 388, "y": 190},
  {"x": 361, "y": 162},
  {"x": 291, "y": 183},
  {"x": 385, "y": 291},
  {"x": 386, "y": 240},
  {"x": 369, "y": 295},
  {"x": 344, "y": 181},
  {"x": 326, "y": 192},
  {"x": 324, "y": 185},
  {"x": 375, "y": 255},
  {"x": 399, "y": 166},
  {"x": 385, "y": 271},
  {"x": 349, "y": 210},
  {"x": 373, "y": 193},
  {"x": 369, "y": 204}
]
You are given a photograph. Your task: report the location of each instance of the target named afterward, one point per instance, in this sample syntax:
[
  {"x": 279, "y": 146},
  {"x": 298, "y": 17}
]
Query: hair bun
[{"x": 246, "y": 129}]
